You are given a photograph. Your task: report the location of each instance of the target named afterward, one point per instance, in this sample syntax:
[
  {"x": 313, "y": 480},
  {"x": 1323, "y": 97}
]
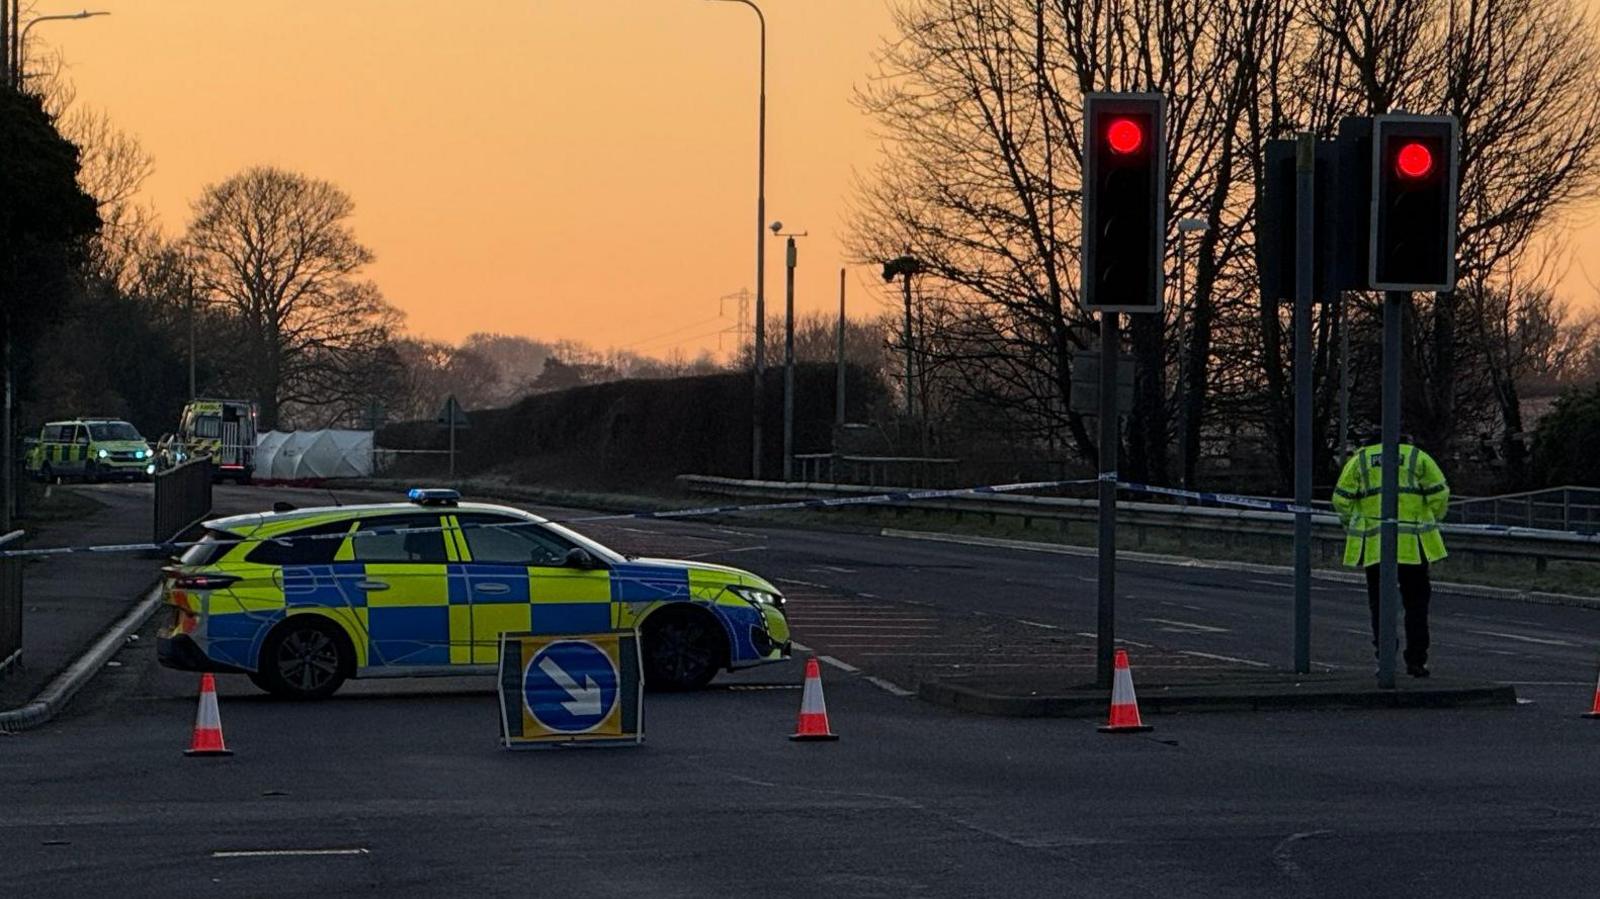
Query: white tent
[{"x": 298, "y": 455}]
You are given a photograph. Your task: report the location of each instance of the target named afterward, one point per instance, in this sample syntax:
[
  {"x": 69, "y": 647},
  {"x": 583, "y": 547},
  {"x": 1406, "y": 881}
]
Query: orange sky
[{"x": 552, "y": 168}]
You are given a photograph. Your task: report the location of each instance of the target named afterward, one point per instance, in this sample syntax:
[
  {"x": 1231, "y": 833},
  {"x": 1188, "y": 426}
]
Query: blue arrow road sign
[{"x": 570, "y": 686}]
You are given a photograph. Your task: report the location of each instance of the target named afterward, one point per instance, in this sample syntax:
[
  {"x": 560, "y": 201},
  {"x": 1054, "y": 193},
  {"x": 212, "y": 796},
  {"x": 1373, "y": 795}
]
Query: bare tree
[{"x": 276, "y": 249}]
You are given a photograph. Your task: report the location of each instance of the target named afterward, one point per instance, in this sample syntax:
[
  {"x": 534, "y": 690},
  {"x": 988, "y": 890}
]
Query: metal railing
[
  {"x": 1555, "y": 509},
  {"x": 182, "y": 498},
  {"x": 10, "y": 606},
  {"x": 910, "y": 471}
]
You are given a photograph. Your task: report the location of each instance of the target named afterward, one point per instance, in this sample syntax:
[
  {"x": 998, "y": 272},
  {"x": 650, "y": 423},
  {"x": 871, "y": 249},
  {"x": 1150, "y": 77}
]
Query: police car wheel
[
  {"x": 304, "y": 659},
  {"x": 682, "y": 649}
]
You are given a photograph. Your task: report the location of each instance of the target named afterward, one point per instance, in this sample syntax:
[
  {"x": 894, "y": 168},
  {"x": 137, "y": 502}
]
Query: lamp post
[
  {"x": 790, "y": 258},
  {"x": 22, "y": 39},
  {"x": 761, "y": 248},
  {"x": 1185, "y": 228},
  {"x": 906, "y": 265}
]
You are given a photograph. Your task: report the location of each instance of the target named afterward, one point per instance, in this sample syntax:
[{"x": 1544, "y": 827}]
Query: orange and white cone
[
  {"x": 1594, "y": 711},
  {"x": 813, "y": 723},
  {"x": 1124, "y": 704},
  {"x": 207, "y": 739}
]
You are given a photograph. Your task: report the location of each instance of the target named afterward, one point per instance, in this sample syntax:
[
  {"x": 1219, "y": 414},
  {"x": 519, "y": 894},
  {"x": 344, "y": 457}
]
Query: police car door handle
[
  {"x": 372, "y": 585},
  {"x": 493, "y": 588}
]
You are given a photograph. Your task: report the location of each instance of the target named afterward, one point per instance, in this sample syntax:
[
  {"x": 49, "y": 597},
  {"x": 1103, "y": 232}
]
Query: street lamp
[
  {"x": 906, "y": 265},
  {"x": 790, "y": 258},
  {"x": 761, "y": 247},
  {"x": 1185, "y": 228},
  {"x": 22, "y": 39}
]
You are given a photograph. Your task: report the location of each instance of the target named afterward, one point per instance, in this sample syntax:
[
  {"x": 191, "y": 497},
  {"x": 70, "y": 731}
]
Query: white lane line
[
  {"x": 721, "y": 552},
  {"x": 1048, "y": 627},
  {"x": 276, "y": 853},
  {"x": 842, "y": 666},
  {"x": 1272, "y": 583},
  {"x": 840, "y": 626},
  {"x": 797, "y": 646},
  {"x": 1119, "y": 640},
  {"x": 889, "y": 687},
  {"x": 1210, "y": 655},
  {"x": 833, "y": 568},
  {"x": 1190, "y": 626},
  {"x": 1521, "y": 639},
  {"x": 790, "y": 580},
  {"x": 870, "y": 595}
]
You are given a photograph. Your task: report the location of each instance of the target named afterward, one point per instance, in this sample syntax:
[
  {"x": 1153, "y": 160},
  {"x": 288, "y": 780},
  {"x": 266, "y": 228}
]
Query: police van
[
  {"x": 94, "y": 449},
  {"x": 223, "y": 430}
]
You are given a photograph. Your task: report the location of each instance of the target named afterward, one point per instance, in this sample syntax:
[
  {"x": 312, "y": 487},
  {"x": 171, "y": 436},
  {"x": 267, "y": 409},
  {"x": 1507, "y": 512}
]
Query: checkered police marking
[{"x": 572, "y": 689}]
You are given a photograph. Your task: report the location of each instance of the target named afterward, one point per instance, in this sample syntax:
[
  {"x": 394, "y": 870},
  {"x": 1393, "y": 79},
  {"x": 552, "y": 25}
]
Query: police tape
[
  {"x": 1256, "y": 503},
  {"x": 899, "y": 496}
]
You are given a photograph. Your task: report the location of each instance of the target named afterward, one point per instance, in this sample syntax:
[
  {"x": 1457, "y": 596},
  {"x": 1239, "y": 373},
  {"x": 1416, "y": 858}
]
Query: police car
[
  {"x": 94, "y": 449},
  {"x": 302, "y": 599}
]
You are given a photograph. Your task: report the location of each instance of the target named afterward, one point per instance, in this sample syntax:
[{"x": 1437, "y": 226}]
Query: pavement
[{"x": 331, "y": 798}]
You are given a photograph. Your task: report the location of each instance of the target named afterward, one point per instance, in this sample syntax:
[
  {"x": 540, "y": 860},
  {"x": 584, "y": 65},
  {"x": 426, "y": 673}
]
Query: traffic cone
[
  {"x": 1594, "y": 711},
  {"x": 813, "y": 723},
  {"x": 1124, "y": 705},
  {"x": 207, "y": 739}
]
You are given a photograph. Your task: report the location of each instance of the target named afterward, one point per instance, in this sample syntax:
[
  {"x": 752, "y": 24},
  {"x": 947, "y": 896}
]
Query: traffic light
[
  {"x": 1413, "y": 236},
  {"x": 1124, "y": 202}
]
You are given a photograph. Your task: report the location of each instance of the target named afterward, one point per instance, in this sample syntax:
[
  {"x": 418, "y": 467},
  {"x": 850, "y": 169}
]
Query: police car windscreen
[{"x": 114, "y": 430}]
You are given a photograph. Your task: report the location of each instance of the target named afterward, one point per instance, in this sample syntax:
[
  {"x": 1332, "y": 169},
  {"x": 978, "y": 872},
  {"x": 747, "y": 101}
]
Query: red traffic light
[
  {"x": 1414, "y": 160},
  {"x": 1125, "y": 136}
]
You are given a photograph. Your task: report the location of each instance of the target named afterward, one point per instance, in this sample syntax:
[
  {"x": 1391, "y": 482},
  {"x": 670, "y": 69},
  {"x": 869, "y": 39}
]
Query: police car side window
[
  {"x": 295, "y": 548},
  {"x": 427, "y": 546},
  {"x": 525, "y": 544}
]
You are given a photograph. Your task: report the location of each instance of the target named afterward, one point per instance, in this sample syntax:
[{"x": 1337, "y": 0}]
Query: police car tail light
[{"x": 202, "y": 581}]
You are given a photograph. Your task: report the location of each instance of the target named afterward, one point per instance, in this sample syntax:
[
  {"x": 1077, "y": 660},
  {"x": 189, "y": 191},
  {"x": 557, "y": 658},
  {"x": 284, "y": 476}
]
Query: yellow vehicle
[
  {"x": 301, "y": 600},
  {"x": 223, "y": 430},
  {"x": 94, "y": 449}
]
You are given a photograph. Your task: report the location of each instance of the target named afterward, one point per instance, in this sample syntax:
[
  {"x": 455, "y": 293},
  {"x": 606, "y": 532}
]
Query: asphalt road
[{"x": 400, "y": 788}]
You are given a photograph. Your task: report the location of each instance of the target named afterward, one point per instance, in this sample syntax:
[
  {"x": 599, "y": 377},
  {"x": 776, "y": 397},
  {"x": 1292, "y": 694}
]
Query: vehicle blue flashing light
[{"x": 433, "y": 496}]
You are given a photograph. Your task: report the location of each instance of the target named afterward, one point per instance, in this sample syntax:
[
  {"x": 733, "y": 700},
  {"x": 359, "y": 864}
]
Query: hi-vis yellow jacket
[{"x": 1424, "y": 498}]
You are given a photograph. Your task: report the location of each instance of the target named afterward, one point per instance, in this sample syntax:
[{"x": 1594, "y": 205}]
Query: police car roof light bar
[{"x": 433, "y": 496}]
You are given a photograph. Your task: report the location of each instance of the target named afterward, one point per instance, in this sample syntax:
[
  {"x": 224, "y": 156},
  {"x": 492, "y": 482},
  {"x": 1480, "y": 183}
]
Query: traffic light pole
[
  {"x": 1106, "y": 640},
  {"x": 1389, "y": 533},
  {"x": 1305, "y": 226}
]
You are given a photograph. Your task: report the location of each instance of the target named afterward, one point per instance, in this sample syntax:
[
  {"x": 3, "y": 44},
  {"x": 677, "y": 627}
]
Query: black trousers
[{"x": 1415, "y": 591}]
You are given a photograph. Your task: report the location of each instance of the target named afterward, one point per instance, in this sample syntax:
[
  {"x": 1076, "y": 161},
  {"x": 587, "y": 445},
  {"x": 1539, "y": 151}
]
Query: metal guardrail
[
  {"x": 182, "y": 498},
  {"x": 1473, "y": 543},
  {"x": 10, "y": 606}
]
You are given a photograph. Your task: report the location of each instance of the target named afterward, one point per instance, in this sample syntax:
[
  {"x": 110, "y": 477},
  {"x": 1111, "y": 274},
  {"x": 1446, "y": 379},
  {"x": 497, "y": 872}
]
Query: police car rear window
[
  {"x": 314, "y": 545},
  {"x": 209, "y": 549}
]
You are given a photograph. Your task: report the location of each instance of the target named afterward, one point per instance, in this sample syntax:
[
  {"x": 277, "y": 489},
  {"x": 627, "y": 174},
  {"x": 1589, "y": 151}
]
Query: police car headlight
[
  {"x": 757, "y": 595},
  {"x": 138, "y": 454},
  {"x": 103, "y": 454}
]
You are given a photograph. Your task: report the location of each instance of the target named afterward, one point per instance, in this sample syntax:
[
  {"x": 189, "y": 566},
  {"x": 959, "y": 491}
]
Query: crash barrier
[
  {"x": 571, "y": 689},
  {"x": 183, "y": 498},
  {"x": 910, "y": 471},
  {"x": 1233, "y": 519},
  {"x": 10, "y": 605}
]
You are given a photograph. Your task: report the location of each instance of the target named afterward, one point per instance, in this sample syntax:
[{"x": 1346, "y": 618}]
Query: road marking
[
  {"x": 1518, "y": 637},
  {"x": 797, "y": 646},
  {"x": 833, "y": 568},
  {"x": 1214, "y": 656},
  {"x": 889, "y": 687},
  {"x": 1280, "y": 852},
  {"x": 834, "y": 626},
  {"x": 833, "y": 637},
  {"x": 1048, "y": 627},
  {"x": 1547, "y": 683},
  {"x": 790, "y": 580},
  {"x": 1272, "y": 583},
  {"x": 842, "y": 666},
  {"x": 721, "y": 552},
  {"x": 1191, "y": 626},
  {"x": 1119, "y": 639},
  {"x": 276, "y": 853}
]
